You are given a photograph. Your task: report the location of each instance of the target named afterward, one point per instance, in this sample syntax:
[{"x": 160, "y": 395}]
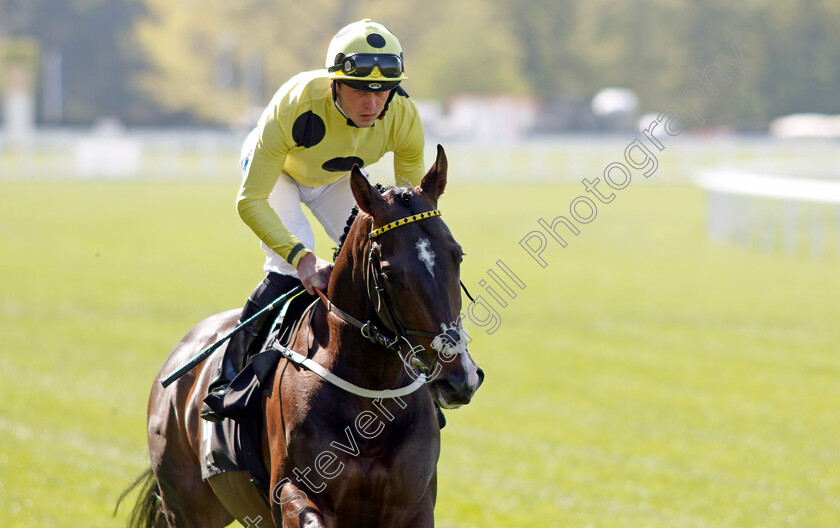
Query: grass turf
[{"x": 643, "y": 378}]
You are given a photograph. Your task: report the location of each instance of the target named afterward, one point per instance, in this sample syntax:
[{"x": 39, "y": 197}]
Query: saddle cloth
[
  {"x": 234, "y": 443},
  {"x": 221, "y": 444}
]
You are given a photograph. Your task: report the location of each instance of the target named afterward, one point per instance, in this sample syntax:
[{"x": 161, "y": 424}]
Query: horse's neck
[
  {"x": 372, "y": 365},
  {"x": 347, "y": 288}
]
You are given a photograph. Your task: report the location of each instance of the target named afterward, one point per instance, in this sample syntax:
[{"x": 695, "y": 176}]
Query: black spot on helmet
[{"x": 376, "y": 40}]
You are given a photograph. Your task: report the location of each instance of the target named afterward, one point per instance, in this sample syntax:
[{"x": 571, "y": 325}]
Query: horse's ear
[
  {"x": 434, "y": 182},
  {"x": 367, "y": 197}
]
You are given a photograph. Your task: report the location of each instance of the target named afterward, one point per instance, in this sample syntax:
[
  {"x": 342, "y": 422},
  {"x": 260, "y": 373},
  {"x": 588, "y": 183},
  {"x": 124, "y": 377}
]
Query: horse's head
[{"x": 412, "y": 272}]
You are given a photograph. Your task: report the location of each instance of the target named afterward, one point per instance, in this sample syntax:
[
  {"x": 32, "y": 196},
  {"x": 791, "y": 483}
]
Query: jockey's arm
[
  {"x": 260, "y": 177},
  {"x": 265, "y": 168},
  {"x": 408, "y": 155}
]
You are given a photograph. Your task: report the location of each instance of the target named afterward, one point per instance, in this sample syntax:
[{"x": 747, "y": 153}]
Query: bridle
[
  {"x": 369, "y": 330},
  {"x": 378, "y": 296},
  {"x": 378, "y": 293}
]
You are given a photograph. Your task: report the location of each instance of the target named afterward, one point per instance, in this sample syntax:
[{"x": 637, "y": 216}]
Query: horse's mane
[
  {"x": 353, "y": 214},
  {"x": 403, "y": 194}
]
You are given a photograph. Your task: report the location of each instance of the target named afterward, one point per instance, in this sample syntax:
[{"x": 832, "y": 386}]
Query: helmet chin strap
[
  {"x": 338, "y": 106},
  {"x": 390, "y": 96},
  {"x": 350, "y": 121}
]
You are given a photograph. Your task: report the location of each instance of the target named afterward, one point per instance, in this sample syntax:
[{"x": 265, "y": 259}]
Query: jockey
[{"x": 316, "y": 127}]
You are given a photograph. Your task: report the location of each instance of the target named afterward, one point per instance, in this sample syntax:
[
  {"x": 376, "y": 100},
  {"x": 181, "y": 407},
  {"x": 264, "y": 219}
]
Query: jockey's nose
[{"x": 370, "y": 101}]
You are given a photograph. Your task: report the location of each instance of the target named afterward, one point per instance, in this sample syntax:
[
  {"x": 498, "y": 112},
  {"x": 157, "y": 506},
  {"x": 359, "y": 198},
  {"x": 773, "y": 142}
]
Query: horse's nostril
[{"x": 480, "y": 377}]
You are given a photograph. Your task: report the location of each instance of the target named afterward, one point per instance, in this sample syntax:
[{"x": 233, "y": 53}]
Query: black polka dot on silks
[
  {"x": 376, "y": 40},
  {"x": 308, "y": 130},
  {"x": 342, "y": 164}
]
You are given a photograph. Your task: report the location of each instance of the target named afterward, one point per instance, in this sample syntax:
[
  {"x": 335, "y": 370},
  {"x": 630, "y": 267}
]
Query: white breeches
[{"x": 330, "y": 205}]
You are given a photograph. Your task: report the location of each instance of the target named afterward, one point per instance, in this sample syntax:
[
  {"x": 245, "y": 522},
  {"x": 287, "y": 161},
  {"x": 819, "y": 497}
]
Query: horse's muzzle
[{"x": 451, "y": 394}]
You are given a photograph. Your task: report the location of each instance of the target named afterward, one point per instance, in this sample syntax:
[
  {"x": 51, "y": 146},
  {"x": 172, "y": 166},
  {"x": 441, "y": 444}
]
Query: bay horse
[{"x": 335, "y": 459}]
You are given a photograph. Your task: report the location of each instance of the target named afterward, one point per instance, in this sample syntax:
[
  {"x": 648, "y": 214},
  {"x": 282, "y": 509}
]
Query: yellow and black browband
[{"x": 402, "y": 221}]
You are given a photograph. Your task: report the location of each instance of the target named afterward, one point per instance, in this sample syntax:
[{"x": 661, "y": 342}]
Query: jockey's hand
[{"x": 314, "y": 273}]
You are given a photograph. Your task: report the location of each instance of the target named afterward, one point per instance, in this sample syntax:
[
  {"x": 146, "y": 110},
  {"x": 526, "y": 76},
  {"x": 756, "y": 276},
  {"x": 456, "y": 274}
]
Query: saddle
[{"x": 234, "y": 443}]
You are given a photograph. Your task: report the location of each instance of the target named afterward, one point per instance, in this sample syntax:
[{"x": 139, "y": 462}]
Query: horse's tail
[{"x": 147, "y": 512}]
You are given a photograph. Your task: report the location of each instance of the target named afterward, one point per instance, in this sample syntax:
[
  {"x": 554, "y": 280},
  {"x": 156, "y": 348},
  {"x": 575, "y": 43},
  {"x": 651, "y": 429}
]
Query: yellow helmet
[{"x": 366, "y": 56}]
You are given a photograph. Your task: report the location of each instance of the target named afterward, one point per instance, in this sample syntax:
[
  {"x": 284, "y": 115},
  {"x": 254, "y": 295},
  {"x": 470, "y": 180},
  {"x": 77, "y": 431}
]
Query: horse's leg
[
  {"x": 186, "y": 500},
  {"x": 424, "y": 517},
  {"x": 238, "y": 495}
]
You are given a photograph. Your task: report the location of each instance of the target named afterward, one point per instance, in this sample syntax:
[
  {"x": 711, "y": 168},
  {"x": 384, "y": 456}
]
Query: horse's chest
[{"x": 369, "y": 459}]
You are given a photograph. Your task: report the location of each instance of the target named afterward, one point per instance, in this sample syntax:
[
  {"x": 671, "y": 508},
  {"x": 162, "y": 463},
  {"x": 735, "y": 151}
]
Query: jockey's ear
[
  {"x": 434, "y": 182},
  {"x": 367, "y": 197}
]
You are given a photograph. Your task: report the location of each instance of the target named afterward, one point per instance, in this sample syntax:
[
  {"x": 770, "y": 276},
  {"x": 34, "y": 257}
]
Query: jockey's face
[{"x": 360, "y": 107}]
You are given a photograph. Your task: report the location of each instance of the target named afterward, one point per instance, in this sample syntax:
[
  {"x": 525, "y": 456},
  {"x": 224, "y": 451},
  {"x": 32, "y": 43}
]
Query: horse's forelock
[{"x": 401, "y": 195}]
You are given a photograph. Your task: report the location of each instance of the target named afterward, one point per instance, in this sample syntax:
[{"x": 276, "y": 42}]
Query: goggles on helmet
[{"x": 362, "y": 65}]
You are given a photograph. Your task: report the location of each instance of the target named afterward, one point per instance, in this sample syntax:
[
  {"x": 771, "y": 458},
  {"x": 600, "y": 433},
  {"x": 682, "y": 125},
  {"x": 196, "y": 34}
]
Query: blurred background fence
[
  {"x": 771, "y": 212},
  {"x": 208, "y": 154}
]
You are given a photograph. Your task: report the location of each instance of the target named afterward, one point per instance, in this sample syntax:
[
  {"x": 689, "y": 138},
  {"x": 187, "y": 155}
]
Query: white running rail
[{"x": 767, "y": 211}]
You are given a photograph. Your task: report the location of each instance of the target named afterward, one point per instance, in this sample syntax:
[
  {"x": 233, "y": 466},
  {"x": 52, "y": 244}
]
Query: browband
[{"x": 402, "y": 221}]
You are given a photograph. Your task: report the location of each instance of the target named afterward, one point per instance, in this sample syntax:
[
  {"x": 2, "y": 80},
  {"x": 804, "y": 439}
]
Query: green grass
[{"x": 645, "y": 378}]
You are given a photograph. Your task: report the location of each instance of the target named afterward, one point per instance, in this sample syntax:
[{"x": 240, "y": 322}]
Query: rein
[{"x": 368, "y": 329}]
